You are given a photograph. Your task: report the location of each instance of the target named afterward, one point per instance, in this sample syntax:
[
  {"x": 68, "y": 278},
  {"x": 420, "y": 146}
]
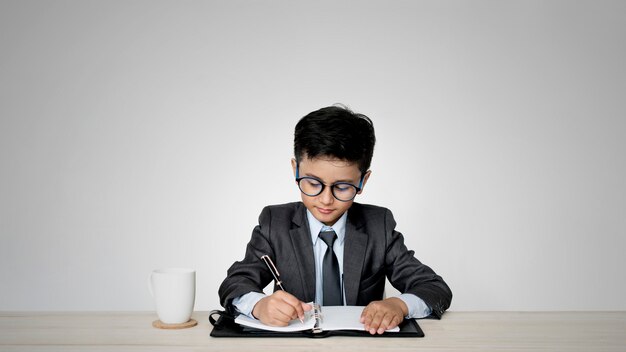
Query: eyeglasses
[{"x": 342, "y": 191}]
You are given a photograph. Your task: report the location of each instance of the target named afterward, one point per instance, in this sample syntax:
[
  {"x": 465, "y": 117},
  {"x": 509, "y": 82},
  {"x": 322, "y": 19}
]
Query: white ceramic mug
[{"x": 174, "y": 292}]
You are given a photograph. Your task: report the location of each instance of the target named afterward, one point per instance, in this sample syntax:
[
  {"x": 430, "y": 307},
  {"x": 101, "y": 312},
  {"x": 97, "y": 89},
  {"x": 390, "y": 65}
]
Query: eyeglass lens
[{"x": 341, "y": 191}]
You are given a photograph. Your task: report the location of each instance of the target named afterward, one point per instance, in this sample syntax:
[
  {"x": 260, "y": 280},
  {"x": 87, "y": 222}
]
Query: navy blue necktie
[{"x": 330, "y": 271}]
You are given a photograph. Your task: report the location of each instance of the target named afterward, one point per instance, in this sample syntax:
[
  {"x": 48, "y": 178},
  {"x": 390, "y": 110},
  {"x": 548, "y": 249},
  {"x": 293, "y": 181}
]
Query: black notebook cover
[{"x": 224, "y": 326}]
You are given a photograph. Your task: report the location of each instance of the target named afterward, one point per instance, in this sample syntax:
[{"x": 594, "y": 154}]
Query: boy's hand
[
  {"x": 379, "y": 316},
  {"x": 279, "y": 308}
]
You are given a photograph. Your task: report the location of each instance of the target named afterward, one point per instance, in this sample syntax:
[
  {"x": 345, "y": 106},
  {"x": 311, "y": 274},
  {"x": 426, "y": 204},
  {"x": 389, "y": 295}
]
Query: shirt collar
[{"x": 316, "y": 226}]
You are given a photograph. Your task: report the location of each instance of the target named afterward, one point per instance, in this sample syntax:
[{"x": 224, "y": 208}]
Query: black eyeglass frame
[{"x": 332, "y": 187}]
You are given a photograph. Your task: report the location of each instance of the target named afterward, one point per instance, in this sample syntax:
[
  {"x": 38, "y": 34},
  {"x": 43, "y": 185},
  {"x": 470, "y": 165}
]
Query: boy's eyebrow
[{"x": 319, "y": 178}]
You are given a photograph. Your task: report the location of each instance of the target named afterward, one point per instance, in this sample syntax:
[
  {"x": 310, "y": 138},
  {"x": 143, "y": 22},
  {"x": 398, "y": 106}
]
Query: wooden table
[{"x": 457, "y": 331}]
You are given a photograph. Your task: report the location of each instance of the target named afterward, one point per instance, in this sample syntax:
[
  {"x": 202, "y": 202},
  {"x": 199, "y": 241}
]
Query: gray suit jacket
[{"x": 373, "y": 250}]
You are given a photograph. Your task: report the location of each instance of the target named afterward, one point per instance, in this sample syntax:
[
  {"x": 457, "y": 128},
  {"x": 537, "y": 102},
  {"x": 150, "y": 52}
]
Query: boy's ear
[
  {"x": 365, "y": 178},
  {"x": 293, "y": 166}
]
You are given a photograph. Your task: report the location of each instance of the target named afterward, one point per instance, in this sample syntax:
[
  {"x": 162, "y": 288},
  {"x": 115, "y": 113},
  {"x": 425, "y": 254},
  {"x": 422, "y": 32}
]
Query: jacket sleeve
[
  {"x": 408, "y": 275},
  {"x": 249, "y": 274}
]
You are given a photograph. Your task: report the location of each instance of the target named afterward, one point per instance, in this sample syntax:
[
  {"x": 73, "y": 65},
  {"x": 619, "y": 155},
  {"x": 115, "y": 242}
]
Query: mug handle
[{"x": 150, "y": 284}]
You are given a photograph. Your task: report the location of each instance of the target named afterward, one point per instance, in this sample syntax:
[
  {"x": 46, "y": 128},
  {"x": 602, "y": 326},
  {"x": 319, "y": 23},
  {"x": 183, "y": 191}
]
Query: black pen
[{"x": 270, "y": 265}]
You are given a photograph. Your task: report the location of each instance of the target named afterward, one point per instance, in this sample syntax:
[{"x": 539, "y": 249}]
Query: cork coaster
[{"x": 161, "y": 325}]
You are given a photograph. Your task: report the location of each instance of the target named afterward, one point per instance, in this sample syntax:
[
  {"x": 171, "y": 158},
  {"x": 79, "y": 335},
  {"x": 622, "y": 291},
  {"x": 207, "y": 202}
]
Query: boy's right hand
[{"x": 279, "y": 308}]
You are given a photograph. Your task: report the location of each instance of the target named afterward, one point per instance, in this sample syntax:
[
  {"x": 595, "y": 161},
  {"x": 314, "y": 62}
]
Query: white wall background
[{"x": 143, "y": 134}]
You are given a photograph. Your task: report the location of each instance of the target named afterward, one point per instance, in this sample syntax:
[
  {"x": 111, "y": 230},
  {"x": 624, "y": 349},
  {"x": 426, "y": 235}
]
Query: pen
[{"x": 270, "y": 265}]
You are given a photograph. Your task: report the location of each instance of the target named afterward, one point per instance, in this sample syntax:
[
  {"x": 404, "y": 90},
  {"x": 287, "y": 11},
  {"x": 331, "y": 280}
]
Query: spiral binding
[{"x": 319, "y": 318}]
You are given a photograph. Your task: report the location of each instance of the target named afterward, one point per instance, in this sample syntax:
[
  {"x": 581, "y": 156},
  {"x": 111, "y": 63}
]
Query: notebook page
[
  {"x": 343, "y": 318},
  {"x": 294, "y": 325}
]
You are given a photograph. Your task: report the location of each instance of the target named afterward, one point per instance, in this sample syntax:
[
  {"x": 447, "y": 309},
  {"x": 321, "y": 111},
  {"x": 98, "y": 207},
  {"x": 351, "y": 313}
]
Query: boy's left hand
[{"x": 379, "y": 316}]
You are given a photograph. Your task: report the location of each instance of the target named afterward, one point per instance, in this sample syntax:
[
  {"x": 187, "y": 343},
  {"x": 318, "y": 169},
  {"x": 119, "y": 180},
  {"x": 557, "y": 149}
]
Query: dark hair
[{"x": 338, "y": 132}]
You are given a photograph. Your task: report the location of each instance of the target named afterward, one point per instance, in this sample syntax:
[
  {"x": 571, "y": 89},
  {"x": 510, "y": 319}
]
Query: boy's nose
[{"x": 326, "y": 197}]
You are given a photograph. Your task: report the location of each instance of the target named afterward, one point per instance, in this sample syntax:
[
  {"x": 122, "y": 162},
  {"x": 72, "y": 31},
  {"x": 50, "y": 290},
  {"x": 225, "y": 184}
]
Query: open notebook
[{"x": 317, "y": 320}]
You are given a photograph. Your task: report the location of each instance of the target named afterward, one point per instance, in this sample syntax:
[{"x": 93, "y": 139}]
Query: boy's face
[{"x": 325, "y": 207}]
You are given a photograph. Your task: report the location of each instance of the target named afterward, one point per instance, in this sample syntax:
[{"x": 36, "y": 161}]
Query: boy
[{"x": 327, "y": 248}]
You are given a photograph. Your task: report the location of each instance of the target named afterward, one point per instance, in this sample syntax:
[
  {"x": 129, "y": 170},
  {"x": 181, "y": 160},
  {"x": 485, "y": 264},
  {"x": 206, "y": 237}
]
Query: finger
[
  {"x": 385, "y": 323},
  {"x": 277, "y": 322},
  {"x": 395, "y": 321},
  {"x": 306, "y": 307},
  {"x": 376, "y": 319},
  {"x": 295, "y": 304},
  {"x": 363, "y": 315},
  {"x": 276, "y": 317},
  {"x": 280, "y": 302},
  {"x": 279, "y": 310},
  {"x": 367, "y": 318},
  {"x": 284, "y": 312}
]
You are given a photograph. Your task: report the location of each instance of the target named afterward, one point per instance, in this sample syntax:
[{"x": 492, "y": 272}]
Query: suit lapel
[
  {"x": 355, "y": 246},
  {"x": 303, "y": 248}
]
